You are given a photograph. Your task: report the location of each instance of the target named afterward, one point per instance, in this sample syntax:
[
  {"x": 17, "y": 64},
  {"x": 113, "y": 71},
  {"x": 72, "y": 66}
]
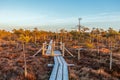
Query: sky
[{"x": 56, "y": 14}]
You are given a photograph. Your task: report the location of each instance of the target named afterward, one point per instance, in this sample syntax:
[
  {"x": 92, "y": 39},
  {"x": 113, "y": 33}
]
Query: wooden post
[
  {"x": 43, "y": 49},
  {"x": 35, "y": 39},
  {"x": 110, "y": 60},
  {"x": 111, "y": 57},
  {"x": 63, "y": 49},
  {"x": 54, "y": 43},
  {"x": 25, "y": 66},
  {"x": 45, "y": 44},
  {"x": 61, "y": 46},
  {"x": 97, "y": 47},
  {"x": 97, "y": 44},
  {"x": 52, "y": 49},
  {"x": 78, "y": 54}
]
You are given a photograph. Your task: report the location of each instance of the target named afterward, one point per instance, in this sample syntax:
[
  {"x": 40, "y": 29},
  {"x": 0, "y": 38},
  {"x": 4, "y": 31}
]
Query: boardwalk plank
[
  {"x": 65, "y": 69},
  {"x": 60, "y": 69},
  {"x": 54, "y": 71},
  {"x": 59, "y": 74}
]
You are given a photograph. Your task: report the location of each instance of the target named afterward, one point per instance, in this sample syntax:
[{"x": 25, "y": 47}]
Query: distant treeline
[{"x": 82, "y": 36}]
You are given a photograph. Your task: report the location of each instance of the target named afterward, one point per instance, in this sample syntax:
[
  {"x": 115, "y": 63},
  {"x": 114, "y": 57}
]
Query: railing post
[
  {"x": 25, "y": 65},
  {"x": 78, "y": 54},
  {"x": 111, "y": 56},
  {"x": 45, "y": 44},
  {"x": 54, "y": 45},
  {"x": 63, "y": 49},
  {"x": 52, "y": 49},
  {"x": 110, "y": 60},
  {"x": 61, "y": 46},
  {"x": 43, "y": 49}
]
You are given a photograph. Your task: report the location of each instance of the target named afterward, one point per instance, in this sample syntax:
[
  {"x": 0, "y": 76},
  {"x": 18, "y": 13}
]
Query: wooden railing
[{"x": 60, "y": 67}]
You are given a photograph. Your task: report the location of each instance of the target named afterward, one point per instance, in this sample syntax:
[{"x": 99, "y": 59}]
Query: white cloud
[
  {"x": 103, "y": 17},
  {"x": 16, "y": 18}
]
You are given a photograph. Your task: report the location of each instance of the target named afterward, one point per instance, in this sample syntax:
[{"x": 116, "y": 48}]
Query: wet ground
[
  {"x": 94, "y": 66},
  {"x": 12, "y": 63},
  {"x": 91, "y": 66}
]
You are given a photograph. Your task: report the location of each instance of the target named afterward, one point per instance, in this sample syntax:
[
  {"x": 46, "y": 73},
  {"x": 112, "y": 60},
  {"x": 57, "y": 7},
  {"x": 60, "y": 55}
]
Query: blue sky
[{"x": 64, "y": 13}]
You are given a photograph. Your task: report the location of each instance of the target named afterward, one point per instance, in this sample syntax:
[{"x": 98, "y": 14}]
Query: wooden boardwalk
[
  {"x": 49, "y": 48},
  {"x": 60, "y": 68}
]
